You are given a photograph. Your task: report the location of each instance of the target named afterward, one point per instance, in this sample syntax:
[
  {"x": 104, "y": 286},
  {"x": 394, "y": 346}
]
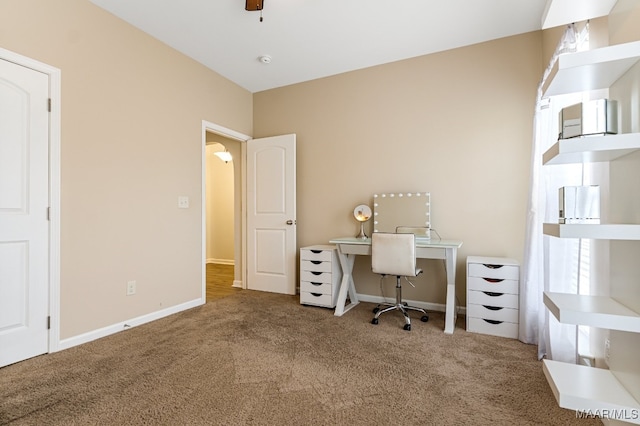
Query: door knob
[{"x": 291, "y": 222}]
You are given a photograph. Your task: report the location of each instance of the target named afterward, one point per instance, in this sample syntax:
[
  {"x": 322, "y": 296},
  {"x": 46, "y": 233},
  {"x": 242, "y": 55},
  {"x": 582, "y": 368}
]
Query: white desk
[{"x": 349, "y": 248}]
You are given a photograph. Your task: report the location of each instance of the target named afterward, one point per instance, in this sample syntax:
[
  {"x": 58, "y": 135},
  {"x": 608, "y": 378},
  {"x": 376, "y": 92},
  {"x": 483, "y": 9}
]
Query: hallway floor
[{"x": 219, "y": 281}]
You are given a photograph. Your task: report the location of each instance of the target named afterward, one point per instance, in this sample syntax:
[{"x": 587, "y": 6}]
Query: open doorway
[
  {"x": 222, "y": 138},
  {"x": 234, "y": 143},
  {"x": 219, "y": 217},
  {"x": 281, "y": 165}
]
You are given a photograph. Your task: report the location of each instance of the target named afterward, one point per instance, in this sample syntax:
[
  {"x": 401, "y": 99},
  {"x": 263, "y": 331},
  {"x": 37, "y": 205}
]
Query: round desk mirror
[{"x": 362, "y": 213}]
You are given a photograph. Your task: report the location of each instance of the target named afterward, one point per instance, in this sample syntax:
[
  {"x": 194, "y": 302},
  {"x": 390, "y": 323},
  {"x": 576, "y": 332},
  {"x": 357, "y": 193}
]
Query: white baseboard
[
  {"x": 435, "y": 307},
  {"x": 124, "y": 325},
  {"x": 221, "y": 261},
  {"x": 237, "y": 284},
  {"x": 428, "y": 306}
]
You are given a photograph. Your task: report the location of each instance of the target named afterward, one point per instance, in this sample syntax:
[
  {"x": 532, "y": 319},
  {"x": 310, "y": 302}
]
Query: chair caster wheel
[
  {"x": 375, "y": 310},
  {"x": 424, "y": 318},
  {"x": 374, "y": 321},
  {"x": 407, "y": 327}
]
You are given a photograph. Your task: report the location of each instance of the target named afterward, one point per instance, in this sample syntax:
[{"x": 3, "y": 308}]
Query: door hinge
[
  {"x": 49, "y": 104},
  {"x": 49, "y": 322}
]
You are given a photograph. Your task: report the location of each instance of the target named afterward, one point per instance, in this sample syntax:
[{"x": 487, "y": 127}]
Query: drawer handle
[
  {"x": 316, "y": 251},
  {"x": 490, "y": 266},
  {"x": 316, "y": 262},
  {"x": 492, "y": 308},
  {"x": 492, "y": 294},
  {"x": 493, "y": 280},
  {"x": 316, "y": 272},
  {"x": 494, "y": 322},
  {"x": 313, "y": 283},
  {"x": 316, "y": 294}
]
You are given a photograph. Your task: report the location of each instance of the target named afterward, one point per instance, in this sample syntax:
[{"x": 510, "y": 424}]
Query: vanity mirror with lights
[{"x": 401, "y": 212}]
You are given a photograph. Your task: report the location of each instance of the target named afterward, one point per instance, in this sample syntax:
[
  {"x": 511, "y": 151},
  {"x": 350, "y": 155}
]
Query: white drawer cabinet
[
  {"x": 320, "y": 275},
  {"x": 493, "y": 288}
]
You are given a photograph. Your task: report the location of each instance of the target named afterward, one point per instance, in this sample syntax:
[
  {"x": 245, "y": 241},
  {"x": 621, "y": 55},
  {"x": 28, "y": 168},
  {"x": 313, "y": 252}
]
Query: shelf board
[
  {"x": 589, "y": 389},
  {"x": 594, "y": 311},
  {"x": 593, "y": 231},
  {"x": 591, "y": 149},
  {"x": 591, "y": 69}
]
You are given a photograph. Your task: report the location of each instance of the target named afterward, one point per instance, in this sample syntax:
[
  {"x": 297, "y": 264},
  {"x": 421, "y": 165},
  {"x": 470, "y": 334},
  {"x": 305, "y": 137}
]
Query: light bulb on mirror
[{"x": 362, "y": 213}]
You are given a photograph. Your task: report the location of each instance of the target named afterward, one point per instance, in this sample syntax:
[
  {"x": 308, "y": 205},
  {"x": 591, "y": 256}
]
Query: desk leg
[
  {"x": 346, "y": 285},
  {"x": 451, "y": 311}
]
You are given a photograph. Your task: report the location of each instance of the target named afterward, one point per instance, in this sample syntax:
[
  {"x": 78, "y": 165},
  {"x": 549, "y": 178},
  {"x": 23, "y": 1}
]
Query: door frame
[
  {"x": 54, "y": 187},
  {"x": 208, "y": 126}
]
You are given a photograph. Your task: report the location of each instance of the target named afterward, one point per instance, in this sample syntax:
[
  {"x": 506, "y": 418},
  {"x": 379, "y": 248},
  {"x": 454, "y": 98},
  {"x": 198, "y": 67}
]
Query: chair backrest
[{"x": 393, "y": 254}]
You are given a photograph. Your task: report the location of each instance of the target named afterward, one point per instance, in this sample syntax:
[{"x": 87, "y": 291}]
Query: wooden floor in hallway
[{"x": 219, "y": 281}]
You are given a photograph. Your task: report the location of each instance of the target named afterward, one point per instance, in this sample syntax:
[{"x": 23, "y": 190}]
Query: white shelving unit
[
  {"x": 594, "y": 311},
  {"x": 593, "y": 231},
  {"x": 579, "y": 387},
  {"x": 591, "y": 70},
  {"x": 591, "y": 149}
]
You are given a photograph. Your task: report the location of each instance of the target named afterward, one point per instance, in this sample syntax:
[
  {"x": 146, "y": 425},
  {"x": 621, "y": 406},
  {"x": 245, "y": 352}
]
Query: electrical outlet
[
  {"x": 131, "y": 288},
  {"x": 183, "y": 202},
  {"x": 607, "y": 351}
]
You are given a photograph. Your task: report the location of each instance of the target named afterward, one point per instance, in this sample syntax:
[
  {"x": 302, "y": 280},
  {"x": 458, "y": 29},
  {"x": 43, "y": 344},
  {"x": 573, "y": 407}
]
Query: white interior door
[
  {"x": 271, "y": 214},
  {"x": 24, "y": 199}
]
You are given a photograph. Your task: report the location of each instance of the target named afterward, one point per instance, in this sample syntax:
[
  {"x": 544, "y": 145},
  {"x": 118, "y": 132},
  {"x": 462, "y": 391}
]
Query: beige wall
[
  {"x": 623, "y": 22},
  {"x": 456, "y": 123},
  {"x": 132, "y": 111}
]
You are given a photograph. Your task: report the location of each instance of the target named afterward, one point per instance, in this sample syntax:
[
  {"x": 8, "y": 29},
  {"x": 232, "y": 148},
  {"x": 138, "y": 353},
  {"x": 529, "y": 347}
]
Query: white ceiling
[
  {"x": 309, "y": 39},
  {"x": 560, "y": 12}
]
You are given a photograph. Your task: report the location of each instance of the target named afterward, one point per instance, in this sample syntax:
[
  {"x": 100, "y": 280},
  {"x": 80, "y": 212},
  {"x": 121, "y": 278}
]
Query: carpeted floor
[{"x": 256, "y": 358}]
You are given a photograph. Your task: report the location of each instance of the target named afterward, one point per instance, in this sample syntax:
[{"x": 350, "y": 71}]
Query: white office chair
[{"x": 395, "y": 254}]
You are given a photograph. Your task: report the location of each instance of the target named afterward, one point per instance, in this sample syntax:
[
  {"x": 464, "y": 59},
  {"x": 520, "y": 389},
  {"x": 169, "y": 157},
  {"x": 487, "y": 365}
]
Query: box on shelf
[
  {"x": 579, "y": 204},
  {"x": 589, "y": 118}
]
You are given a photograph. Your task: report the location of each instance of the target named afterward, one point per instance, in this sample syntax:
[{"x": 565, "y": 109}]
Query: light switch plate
[{"x": 183, "y": 202}]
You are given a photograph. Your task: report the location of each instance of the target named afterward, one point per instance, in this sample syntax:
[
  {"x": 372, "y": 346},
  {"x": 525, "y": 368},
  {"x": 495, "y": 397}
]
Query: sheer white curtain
[{"x": 550, "y": 264}]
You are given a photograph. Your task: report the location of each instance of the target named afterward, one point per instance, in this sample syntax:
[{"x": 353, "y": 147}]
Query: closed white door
[
  {"x": 24, "y": 200},
  {"x": 271, "y": 214}
]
